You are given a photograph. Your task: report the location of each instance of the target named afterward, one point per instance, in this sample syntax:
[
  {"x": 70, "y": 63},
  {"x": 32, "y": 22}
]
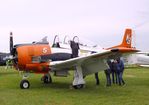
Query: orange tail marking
[{"x": 127, "y": 39}]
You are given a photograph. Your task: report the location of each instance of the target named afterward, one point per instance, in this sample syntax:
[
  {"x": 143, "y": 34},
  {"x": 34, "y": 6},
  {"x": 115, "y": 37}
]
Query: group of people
[
  {"x": 115, "y": 71},
  {"x": 116, "y": 68}
]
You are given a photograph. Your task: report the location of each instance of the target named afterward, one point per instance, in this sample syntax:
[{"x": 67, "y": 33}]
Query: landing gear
[
  {"x": 80, "y": 86},
  {"x": 47, "y": 78},
  {"x": 78, "y": 81},
  {"x": 24, "y": 84}
]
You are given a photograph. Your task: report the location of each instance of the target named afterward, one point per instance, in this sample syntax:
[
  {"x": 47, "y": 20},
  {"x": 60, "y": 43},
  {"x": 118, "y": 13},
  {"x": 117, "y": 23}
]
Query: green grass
[{"x": 135, "y": 92}]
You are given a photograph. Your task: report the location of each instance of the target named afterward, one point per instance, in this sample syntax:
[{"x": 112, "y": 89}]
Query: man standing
[
  {"x": 121, "y": 66},
  {"x": 75, "y": 49},
  {"x": 97, "y": 79},
  {"x": 108, "y": 72},
  {"x": 115, "y": 71}
]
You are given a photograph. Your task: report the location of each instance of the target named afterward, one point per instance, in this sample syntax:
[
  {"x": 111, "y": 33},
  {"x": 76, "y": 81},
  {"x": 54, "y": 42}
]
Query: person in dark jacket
[
  {"x": 97, "y": 79},
  {"x": 113, "y": 72},
  {"x": 116, "y": 70},
  {"x": 108, "y": 78},
  {"x": 75, "y": 49},
  {"x": 108, "y": 72},
  {"x": 121, "y": 66}
]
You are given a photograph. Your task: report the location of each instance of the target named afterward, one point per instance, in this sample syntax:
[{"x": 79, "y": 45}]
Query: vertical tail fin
[{"x": 127, "y": 39}]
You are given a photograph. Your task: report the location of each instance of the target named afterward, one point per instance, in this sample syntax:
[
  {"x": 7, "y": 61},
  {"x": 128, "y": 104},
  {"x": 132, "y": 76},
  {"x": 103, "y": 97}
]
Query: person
[
  {"x": 110, "y": 64},
  {"x": 113, "y": 72},
  {"x": 97, "y": 79},
  {"x": 108, "y": 72},
  {"x": 75, "y": 49},
  {"x": 121, "y": 66},
  {"x": 8, "y": 64},
  {"x": 115, "y": 69},
  {"x": 108, "y": 78}
]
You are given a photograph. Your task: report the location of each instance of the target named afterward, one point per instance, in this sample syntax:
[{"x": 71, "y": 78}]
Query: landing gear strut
[
  {"x": 78, "y": 81},
  {"x": 24, "y": 84}
]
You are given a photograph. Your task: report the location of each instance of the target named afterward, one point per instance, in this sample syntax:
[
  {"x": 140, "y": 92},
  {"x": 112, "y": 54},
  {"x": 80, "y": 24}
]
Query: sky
[{"x": 101, "y": 21}]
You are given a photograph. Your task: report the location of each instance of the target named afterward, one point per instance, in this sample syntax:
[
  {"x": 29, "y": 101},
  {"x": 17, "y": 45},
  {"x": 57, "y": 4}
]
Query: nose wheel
[{"x": 24, "y": 84}]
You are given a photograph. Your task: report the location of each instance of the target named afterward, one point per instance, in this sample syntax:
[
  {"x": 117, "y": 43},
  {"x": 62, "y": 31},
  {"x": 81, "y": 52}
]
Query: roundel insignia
[
  {"x": 44, "y": 50},
  {"x": 128, "y": 39}
]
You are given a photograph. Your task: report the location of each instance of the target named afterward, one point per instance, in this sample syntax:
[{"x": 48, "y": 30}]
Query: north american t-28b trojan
[{"x": 40, "y": 57}]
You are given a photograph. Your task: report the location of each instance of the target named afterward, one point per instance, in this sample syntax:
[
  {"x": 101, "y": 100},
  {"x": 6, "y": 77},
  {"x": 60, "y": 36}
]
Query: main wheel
[
  {"x": 24, "y": 84},
  {"x": 47, "y": 79},
  {"x": 80, "y": 86}
]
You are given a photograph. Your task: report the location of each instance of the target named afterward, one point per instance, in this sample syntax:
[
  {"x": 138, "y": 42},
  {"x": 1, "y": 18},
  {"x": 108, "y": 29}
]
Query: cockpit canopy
[{"x": 66, "y": 41}]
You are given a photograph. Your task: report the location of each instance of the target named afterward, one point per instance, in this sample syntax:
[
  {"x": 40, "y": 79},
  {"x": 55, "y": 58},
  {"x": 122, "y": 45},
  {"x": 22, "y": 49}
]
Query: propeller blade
[{"x": 11, "y": 43}]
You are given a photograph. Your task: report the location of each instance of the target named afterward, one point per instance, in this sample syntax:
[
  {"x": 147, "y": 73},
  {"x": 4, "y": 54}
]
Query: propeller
[{"x": 13, "y": 52}]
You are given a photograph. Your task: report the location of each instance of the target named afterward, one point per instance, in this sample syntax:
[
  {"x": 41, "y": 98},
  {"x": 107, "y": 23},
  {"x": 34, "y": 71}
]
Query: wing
[{"x": 90, "y": 64}]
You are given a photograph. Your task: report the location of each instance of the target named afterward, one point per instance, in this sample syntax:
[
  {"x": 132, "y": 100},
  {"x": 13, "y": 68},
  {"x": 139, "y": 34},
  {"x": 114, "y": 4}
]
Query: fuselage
[{"x": 36, "y": 57}]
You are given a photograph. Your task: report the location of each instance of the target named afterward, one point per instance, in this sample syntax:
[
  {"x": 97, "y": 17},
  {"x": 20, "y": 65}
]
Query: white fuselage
[
  {"x": 139, "y": 59},
  {"x": 143, "y": 59}
]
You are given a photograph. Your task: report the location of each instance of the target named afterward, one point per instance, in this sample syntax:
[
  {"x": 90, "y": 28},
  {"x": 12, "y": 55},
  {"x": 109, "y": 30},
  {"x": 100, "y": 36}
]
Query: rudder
[{"x": 127, "y": 39}]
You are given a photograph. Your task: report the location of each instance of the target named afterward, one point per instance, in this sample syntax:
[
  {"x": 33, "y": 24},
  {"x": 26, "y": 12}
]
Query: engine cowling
[{"x": 28, "y": 57}]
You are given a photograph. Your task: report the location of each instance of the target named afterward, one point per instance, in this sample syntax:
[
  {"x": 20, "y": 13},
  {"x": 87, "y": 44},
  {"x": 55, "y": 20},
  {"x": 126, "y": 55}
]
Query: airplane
[
  {"x": 139, "y": 58},
  {"x": 40, "y": 57},
  {"x": 3, "y": 58}
]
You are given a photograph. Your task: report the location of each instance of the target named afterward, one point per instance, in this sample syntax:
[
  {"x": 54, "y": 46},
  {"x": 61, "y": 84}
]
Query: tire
[
  {"x": 24, "y": 84},
  {"x": 80, "y": 86}
]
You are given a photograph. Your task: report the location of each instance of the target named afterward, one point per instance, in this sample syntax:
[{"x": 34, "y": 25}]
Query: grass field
[{"x": 135, "y": 92}]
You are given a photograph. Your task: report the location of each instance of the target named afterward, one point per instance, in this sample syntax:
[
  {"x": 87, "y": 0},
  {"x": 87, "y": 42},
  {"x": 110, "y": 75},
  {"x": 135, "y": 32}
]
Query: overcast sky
[{"x": 101, "y": 21}]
